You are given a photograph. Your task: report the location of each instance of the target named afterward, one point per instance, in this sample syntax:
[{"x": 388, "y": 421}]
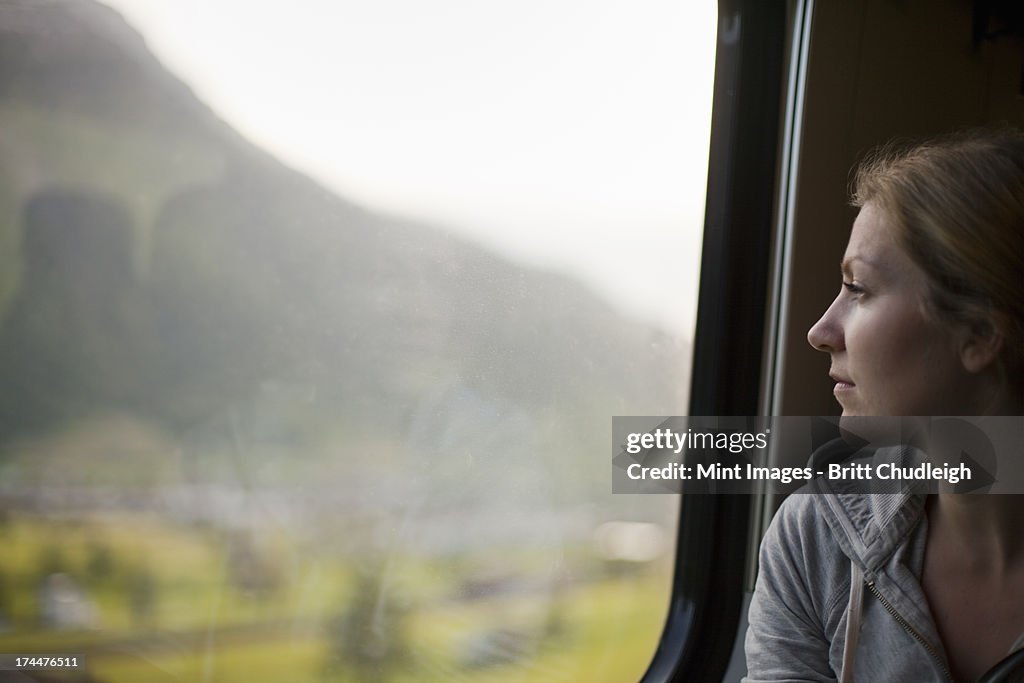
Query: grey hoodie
[{"x": 802, "y": 601}]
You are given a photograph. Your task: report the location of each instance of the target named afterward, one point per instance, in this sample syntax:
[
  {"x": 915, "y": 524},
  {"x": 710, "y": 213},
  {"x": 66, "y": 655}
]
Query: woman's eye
[{"x": 853, "y": 288}]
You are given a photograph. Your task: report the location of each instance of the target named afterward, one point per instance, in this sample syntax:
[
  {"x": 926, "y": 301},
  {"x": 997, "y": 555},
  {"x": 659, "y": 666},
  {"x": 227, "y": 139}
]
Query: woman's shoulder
[
  {"x": 800, "y": 536},
  {"x": 798, "y": 603}
]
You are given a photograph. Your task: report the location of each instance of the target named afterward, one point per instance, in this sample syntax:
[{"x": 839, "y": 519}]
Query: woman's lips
[{"x": 842, "y": 384}]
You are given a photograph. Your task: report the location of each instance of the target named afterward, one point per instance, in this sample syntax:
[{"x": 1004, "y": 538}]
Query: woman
[{"x": 929, "y": 321}]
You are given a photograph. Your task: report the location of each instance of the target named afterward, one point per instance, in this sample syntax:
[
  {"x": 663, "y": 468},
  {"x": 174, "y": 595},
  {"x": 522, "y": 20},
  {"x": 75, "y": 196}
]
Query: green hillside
[{"x": 155, "y": 263}]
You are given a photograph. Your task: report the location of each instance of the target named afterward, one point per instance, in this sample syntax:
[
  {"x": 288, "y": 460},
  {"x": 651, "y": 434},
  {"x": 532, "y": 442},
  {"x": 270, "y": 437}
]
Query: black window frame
[{"x": 712, "y": 537}]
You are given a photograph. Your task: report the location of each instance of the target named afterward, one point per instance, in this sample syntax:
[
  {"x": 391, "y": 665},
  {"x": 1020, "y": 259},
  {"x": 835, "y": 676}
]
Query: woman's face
[{"x": 889, "y": 357}]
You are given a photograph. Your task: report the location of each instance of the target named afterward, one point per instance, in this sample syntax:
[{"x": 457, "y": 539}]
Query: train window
[{"x": 313, "y": 317}]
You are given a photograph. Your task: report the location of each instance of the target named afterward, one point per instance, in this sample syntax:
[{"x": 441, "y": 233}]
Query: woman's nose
[{"x": 827, "y": 334}]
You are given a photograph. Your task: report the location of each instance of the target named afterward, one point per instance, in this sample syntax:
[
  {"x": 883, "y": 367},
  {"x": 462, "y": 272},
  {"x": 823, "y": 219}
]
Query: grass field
[{"x": 408, "y": 621}]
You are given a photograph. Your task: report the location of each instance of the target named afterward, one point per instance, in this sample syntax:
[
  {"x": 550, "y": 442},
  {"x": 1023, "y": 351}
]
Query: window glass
[{"x": 313, "y": 318}]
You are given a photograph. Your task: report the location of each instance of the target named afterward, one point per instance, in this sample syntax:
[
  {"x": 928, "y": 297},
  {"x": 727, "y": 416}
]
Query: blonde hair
[{"x": 957, "y": 205}]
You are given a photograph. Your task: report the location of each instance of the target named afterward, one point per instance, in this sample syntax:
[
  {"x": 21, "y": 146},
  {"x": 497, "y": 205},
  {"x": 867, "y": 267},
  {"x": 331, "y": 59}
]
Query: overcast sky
[{"x": 567, "y": 133}]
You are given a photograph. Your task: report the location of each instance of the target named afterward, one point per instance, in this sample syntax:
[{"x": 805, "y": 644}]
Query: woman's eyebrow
[{"x": 847, "y": 261}]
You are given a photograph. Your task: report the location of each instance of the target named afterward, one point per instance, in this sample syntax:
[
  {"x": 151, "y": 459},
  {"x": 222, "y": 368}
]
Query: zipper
[{"x": 870, "y": 585}]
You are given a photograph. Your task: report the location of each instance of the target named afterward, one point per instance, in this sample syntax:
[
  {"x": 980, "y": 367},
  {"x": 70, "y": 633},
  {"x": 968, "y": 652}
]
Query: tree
[{"x": 368, "y": 638}]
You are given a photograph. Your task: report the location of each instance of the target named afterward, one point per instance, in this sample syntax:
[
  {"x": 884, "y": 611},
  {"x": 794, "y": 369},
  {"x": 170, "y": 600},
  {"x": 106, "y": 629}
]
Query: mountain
[{"x": 155, "y": 264}]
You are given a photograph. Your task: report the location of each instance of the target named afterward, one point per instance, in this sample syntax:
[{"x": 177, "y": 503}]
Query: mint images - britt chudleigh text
[{"x": 858, "y": 471}]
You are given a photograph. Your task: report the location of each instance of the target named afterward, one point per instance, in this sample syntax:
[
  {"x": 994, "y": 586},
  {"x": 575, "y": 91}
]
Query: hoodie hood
[{"x": 868, "y": 526}]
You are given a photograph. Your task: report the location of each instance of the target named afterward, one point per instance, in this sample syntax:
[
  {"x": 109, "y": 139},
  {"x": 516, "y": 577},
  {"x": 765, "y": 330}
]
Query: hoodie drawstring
[{"x": 853, "y": 620}]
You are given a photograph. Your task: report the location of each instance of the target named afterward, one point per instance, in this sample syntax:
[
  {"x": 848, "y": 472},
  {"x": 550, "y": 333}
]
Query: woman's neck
[{"x": 987, "y": 526}]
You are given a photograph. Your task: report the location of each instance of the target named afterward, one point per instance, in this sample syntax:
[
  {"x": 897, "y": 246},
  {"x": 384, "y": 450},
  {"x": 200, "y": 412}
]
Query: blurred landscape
[{"x": 250, "y": 430}]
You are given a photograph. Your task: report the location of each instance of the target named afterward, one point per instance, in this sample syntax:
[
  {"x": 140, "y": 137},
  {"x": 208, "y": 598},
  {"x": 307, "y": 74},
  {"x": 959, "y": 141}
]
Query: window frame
[{"x": 729, "y": 343}]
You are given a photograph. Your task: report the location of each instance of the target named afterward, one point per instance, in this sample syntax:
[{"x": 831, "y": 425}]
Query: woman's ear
[{"x": 981, "y": 345}]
